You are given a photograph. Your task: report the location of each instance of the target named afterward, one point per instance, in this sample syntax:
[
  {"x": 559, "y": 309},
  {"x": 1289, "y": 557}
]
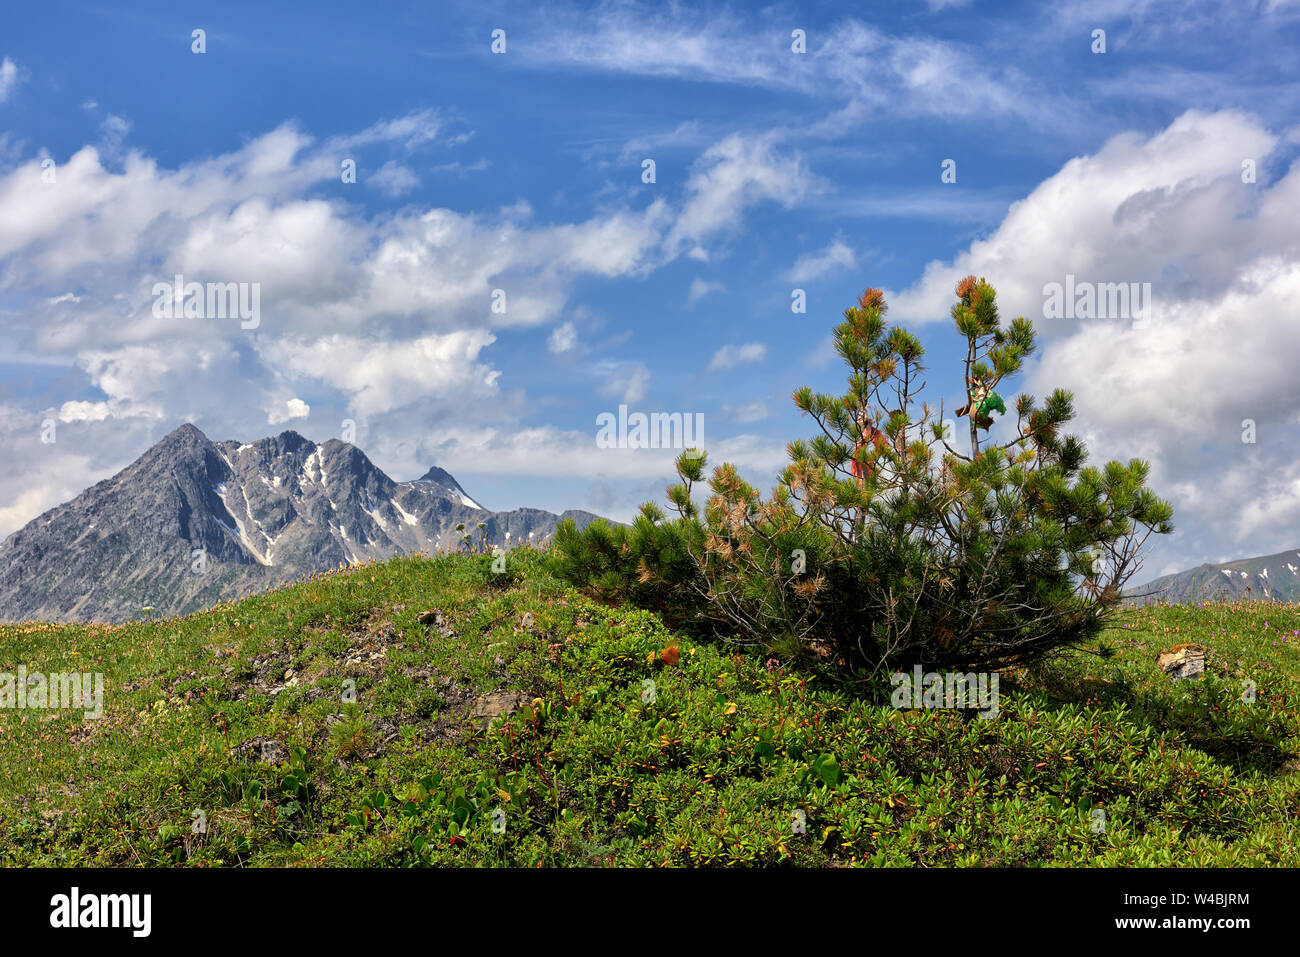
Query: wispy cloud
[
  {"x": 393, "y": 179},
  {"x": 738, "y": 172},
  {"x": 9, "y": 78},
  {"x": 563, "y": 338},
  {"x": 728, "y": 357},
  {"x": 850, "y": 62},
  {"x": 834, "y": 258},
  {"x": 624, "y": 381},
  {"x": 748, "y": 412},
  {"x": 701, "y": 288}
]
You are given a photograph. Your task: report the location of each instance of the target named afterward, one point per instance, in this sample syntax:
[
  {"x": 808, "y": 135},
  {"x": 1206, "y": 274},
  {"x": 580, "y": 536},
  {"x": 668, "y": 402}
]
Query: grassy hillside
[{"x": 587, "y": 771}]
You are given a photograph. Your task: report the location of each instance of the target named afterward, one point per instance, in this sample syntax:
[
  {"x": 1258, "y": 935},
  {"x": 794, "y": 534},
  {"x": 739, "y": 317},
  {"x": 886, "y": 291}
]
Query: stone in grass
[
  {"x": 438, "y": 620},
  {"x": 262, "y": 748},
  {"x": 1182, "y": 661},
  {"x": 487, "y": 708}
]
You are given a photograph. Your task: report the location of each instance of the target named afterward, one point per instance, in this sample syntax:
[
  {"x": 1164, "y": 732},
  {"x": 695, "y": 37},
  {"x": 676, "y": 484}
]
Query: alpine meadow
[{"x": 847, "y": 445}]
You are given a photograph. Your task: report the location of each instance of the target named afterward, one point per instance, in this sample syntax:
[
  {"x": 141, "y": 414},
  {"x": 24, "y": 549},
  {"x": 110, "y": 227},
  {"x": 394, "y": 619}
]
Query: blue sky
[{"x": 522, "y": 171}]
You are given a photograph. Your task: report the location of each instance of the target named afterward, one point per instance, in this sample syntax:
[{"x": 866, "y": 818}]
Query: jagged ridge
[{"x": 193, "y": 522}]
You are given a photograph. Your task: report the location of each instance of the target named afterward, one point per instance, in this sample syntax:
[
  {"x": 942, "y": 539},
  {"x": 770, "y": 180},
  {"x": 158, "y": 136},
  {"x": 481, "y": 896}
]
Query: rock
[
  {"x": 439, "y": 621},
  {"x": 1182, "y": 661},
  {"x": 497, "y": 704},
  {"x": 92, "y": 558},
  {"x": 264, "y": 749}
]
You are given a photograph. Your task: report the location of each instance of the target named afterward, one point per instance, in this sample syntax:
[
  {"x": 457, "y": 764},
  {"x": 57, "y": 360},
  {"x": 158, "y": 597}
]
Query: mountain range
[
  {"x": 1271, "y": 577},
  {"x": 194, "y": 522}
]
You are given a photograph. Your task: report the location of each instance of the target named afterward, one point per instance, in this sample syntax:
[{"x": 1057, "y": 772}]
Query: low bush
[{"x": 884, "y": 543}]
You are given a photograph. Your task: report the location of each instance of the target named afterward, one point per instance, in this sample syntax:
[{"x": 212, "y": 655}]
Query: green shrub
[
  {"x": 884, "y": 544},
  {"x": 351, "y": 736},
  {"x": 648, "y": 563}
]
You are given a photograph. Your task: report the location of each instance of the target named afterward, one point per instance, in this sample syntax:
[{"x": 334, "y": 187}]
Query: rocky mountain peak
[{"x": 193, "y": 522}]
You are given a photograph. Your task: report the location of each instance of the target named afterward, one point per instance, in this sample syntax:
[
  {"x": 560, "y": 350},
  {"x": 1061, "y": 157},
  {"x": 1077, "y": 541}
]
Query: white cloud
[
  {"x": 835, "y": 257},
  {"x": 1223, "y": 260},
  {"x": 563, "y": 338},
  {"x": 9, "y": 78},
  {"x": 156, "y": 379},
  {"x": 113, "y": 131},
  {"x": 292, "y": 409},
  {"x": 701, "y": 288},
  {"x": 411, "y": 130},
  {"x": 383, "y": 316},
  {"x": 735, "y": 173},
  {"x": 77, "y": 411},
  {"x": 242, "y": 217},
  {"x": 461, "y": 168},
  {"x": 393, "y": 179},
  {"x": 748, "y": 412},
  {"x": 625, "y": 381},
  {"x": 546, "y": 451},
  {"x": 964, "y": 206},
  {"x": 628, "y": 38},
  {"x": 1138, "y": 209},
  {"x": 728, "y": 357},
  {"x": 379, "y": 377},
  {"x": 864, "y": 67},
  {"x": 37, "y": 475}
]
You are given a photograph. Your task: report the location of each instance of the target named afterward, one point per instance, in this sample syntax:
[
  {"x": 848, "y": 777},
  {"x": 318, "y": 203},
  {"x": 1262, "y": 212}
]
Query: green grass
[{"x": 587, "y": 771}]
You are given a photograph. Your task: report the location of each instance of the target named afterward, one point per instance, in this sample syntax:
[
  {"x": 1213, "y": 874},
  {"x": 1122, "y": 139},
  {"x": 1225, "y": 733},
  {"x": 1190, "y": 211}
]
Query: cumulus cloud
[
  {"x": 243, "y": 217},
  {"x": 1170, "y": 209},
  {"x": 292, "y": 409},
  {"x": 1222, "y": 256},
  {"x": 384, "y": 316},
  {"x": 78, "y": 411},
  {"x": 382, "y": 376}
]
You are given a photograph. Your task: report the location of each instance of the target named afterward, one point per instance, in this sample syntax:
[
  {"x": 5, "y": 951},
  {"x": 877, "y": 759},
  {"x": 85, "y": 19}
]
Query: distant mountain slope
[
  {"x": 1275, "y": 577},
  {"x": 193, "y": 522}
]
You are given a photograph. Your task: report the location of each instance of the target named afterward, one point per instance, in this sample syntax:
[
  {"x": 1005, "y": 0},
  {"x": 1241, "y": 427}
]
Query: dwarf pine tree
[{"x": 886, "y": 544}]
